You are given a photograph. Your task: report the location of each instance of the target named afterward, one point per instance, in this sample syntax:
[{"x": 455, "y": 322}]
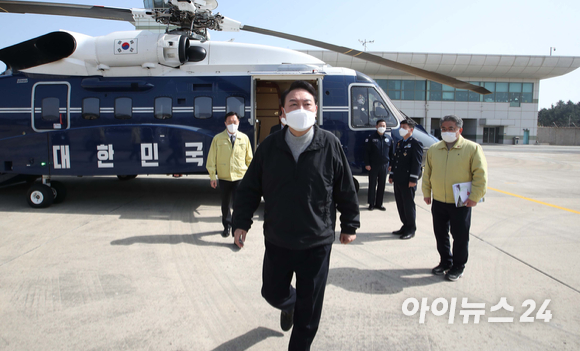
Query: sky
[{"x": 503, "y": 27}]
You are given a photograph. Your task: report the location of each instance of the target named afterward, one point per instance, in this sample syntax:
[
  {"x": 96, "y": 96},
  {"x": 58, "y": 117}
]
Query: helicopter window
[
  {"x": 163, "y": 108},
  {"x": 123, "y": 108},
  {"x": 368, "y": 107},
  {"x": 235, "y": 104},
  {"x": 50, "y": 109},
  {"x": 202, "y": 107},
  {"x": 91, "y": 108},
  {"x": 360, "y": 107}
]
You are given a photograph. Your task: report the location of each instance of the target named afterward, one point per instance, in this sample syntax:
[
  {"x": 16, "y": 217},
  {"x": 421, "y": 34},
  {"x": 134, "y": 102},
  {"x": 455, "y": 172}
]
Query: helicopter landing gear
[
  {"x": 59, "y": 191},
  {"x": 126, "y": 177},
  {"x": 41, "y": 195}
]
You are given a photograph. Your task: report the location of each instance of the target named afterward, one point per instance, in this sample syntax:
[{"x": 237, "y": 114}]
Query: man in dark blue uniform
[
  {"x": 405, "y": 173},
  {"x": 378, "y": 153}
]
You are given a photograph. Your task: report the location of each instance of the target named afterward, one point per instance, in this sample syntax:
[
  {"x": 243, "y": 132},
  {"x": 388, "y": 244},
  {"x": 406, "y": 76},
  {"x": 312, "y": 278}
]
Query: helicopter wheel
[
  {"x": 356, "y": 185},
  {"x": 126, "y": 177},
  {"x": 59, "y": 191},
  {"x": 40, "y": 196}
]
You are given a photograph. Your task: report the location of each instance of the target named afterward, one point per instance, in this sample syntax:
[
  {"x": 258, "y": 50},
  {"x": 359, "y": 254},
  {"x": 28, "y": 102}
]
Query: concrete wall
[{"x": 559, "y": 136}]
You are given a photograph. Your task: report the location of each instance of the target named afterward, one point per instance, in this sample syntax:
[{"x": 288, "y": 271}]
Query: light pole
[
  {"x": 552, "y": 49},
  {"x": 365, "y": 42}
]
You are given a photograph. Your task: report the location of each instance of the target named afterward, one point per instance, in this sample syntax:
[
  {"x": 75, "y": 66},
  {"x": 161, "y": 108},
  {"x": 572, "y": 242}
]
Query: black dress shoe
[
  {"x": 226, "y": 232},
  {"x": 371, "y": 208},
  {"x": 382, "y": 208},
  {"x": 399, "y": 232},
  {"x": 440, "y": 269},
  {"x": 454, "y": 274},
  {"x": 287, "y": 320},
  {"x": 407, "y": 236}
]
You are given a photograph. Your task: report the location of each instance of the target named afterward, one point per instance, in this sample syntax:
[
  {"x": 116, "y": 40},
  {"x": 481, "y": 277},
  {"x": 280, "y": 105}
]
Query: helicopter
[{"x": 136, "y": 102}]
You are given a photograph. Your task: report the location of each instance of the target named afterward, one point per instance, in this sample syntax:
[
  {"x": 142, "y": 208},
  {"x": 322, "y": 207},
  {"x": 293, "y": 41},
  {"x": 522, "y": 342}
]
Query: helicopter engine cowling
[
  {"x": 45, "y": 49},
  {"x": 140, "y": 48}
]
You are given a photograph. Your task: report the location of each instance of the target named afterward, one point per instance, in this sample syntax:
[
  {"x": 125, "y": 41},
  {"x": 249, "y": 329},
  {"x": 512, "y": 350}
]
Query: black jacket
[
  {"x": 406, "y": 165},
  {"x": 378, "y": 149},
  {"x": 275, "y": 128},
  {"x": 301, "y": 198}
]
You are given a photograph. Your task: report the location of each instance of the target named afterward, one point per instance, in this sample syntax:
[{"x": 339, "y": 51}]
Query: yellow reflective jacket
[
  {"x": 465, "y": 162},
  {"x": 229, "y": 164}
]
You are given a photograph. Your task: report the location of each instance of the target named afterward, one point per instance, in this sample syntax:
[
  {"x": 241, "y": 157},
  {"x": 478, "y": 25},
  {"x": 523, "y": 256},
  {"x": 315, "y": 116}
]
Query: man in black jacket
[
  {"x": 405, "y": 173},
  {"x": 378, "y": 154},
  {"x": 278, "y": 126},
  {"x": 304, "y": 177}
]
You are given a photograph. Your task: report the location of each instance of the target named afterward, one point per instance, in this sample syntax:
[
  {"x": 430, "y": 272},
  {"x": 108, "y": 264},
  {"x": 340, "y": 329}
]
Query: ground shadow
[
  {"x": 377, "y": 281},
  {"x": 251, "y": 338},
  {"x": 363, "y": 193},
  {"x": 156, "y": 197},
  {"x": 175, "y": 239}
]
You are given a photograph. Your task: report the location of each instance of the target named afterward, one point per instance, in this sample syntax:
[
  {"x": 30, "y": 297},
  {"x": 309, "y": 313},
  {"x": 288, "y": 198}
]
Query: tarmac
[{"x": 141, "y": 265}]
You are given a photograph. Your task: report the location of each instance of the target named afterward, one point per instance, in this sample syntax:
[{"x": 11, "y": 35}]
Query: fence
[{"x": 558, "y": 136}]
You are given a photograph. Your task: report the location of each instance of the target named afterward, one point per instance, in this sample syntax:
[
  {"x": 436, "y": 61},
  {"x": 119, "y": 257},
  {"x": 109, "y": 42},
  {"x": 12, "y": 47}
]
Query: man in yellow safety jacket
[
  {"x": 452, "y": 161},
  {"x": 228, "y": 159}
]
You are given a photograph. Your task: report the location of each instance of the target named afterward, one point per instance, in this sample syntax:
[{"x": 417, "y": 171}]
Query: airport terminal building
[{"x": 510, "y": 111}]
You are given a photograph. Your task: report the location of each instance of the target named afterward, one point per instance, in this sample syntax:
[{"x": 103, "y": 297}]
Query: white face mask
[
  {"x": 381, "y": 130},
  {"x": 232, "y": 128},
  {"x": 300, "y": 120},
  {"x": 449, "y": 137},
  {"x": 283, "y": 120},
  {"x": 403, "y": 132}
]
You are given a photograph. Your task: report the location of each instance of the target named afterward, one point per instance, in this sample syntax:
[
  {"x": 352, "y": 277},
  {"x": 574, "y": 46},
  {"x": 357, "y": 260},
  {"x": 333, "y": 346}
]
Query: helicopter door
[{"x": 50, "y": 106}]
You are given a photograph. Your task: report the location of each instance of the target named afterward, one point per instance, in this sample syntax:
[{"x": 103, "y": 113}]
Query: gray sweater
[{"x": 298, "y": 144}]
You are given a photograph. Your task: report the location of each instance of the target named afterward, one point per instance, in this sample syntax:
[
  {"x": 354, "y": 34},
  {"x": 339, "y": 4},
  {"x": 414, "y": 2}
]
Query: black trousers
[
  {"x": 405, "y": 198},
  {"x": 377, "y": 176},
  {"x": 228, "y": 195},
  {"x": 446, "y": 216},
  {"x": 311, "y": 268}
]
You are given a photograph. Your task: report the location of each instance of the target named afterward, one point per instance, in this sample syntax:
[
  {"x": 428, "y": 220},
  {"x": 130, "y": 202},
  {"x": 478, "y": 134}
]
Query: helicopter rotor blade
[
  {"x": 51, "y": 8},
  {"x": 433, "y": 76}
]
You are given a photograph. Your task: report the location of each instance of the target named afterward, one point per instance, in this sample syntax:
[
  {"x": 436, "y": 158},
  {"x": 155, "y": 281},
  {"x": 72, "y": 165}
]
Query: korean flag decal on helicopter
[{"x": 125, "y": 46}]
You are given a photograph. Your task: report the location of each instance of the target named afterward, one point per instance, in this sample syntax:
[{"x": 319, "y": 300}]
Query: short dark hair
[
  {"x": 231, "y": 113},
  {"x": 299, "y": 84},
  {"x": 452, "y": 118},
  {"x": 409, "y": 122},
  {"x": 379, "y": 121}
]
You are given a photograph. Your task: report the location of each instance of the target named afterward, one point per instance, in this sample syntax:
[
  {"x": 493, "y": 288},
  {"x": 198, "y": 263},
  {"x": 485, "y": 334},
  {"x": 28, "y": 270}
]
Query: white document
[{"x": 461, "y": 193}]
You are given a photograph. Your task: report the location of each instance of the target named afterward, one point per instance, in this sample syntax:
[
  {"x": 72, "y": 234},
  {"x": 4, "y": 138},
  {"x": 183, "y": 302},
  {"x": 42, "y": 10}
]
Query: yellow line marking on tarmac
[{"x": 536, "y": 201}]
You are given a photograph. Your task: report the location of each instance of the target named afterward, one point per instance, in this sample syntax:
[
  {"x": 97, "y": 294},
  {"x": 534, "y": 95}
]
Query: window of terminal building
[
  {"x": 468, "y": 95},
  {"x": 491, "y": 87},
  {"x": 527, "y": 92},
  {"x": 475, "y": 97},
  {"x": 434, "y": 91},
  {"x": 410, "y": 90},
  {"x": 501, "y": 92},
  {"x": 514, "y": 93}
]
